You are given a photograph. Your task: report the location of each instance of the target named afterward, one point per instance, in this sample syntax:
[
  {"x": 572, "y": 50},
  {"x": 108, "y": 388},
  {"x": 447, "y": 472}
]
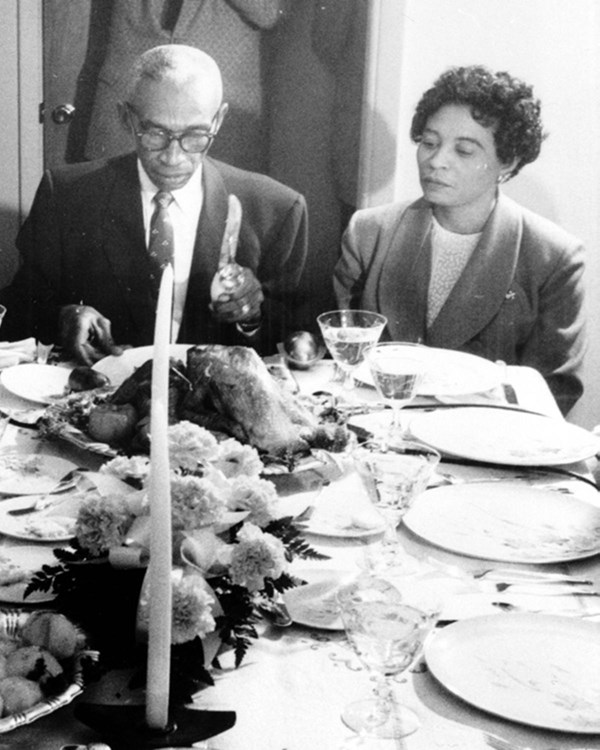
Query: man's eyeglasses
[{"x": 152, "y": 138}]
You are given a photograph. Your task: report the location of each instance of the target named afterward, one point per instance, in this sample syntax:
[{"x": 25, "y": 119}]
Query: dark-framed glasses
[{"x": 153, "y": 138}]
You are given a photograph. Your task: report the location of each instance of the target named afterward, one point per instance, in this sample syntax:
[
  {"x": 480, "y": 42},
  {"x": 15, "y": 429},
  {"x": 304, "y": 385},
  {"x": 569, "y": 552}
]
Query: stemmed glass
[
  {"x": 347, "y": 333},
  {"x": 386, "y": 625},
  {"x": 394, "y": 476},
  {"x": 397, "y": 370}
]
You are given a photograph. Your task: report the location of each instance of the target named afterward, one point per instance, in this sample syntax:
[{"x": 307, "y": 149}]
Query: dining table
[{"x": 290, "y": 690}]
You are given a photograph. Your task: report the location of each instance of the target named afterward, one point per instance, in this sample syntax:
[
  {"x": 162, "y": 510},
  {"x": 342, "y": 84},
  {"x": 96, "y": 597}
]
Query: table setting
[{"x": 499, "y": 524}]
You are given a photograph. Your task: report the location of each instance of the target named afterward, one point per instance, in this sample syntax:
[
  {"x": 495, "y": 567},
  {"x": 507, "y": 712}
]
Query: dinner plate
[
  {"x": 314, "y": 604},
  {"x": 37, "y": 526},
  {"x": 40, "y": 383},
  {"x": 31, "y": 473},
  {"x": 118, "y": 369},
  {"x": 540, "y": 670},
  {"x": 504, "y": 436},
  {"x": 56, "y": 522},
  {"x": 448, "y": 372},
  {"x": 508, "y": 521},
  {"x": 30, "y": 559}
]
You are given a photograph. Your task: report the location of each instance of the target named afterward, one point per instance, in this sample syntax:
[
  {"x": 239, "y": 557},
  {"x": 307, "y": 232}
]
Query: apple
[
  {"x": 112, "y": 423},
  {"x": 302, "y": 347},
  {"x": 86, "y": 379}
]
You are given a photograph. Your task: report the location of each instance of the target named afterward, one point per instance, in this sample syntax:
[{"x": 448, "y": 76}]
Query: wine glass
[
  {"x": 386, "y": 625},
  {"x": 394, "y": 476},
  {"x": 347, "y": 333},
  {"x": 397, "y": 370}
]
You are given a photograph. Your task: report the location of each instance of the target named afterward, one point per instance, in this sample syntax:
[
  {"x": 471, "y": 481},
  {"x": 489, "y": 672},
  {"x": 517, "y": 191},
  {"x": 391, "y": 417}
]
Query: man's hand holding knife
[{"x": 236, "y": 293}]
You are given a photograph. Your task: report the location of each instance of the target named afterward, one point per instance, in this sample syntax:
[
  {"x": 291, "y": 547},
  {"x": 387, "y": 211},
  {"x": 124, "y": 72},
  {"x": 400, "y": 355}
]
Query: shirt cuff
[{"x": 249, "y": 328}]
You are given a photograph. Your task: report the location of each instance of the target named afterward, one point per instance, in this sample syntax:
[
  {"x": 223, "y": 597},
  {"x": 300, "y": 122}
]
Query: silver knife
[
  {"x": 229, "y": 275},
  {"x": 541, "y": 589},
  {"x": 232, "y": 232},
  {"x": 549, "y": 579}
]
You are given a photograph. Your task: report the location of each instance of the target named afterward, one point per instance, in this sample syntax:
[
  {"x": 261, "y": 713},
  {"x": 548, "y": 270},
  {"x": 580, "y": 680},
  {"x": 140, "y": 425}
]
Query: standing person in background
[
  {"x": 229, "y": 31},
  {"x": 87, "y": 277},
  {"x": 464, "y": 267},
  {"x": 315, "y": 64}
]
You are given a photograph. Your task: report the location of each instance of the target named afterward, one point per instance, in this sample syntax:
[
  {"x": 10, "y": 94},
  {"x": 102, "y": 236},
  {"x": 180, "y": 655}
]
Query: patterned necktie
[{"x": 160, "y": 247}]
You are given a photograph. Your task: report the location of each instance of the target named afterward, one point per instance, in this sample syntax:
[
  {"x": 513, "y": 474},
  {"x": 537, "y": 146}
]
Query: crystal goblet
[
  {"x": 347, "y": 333},
  {"x": 394, "y": 476},
  {"x": 386, "y": 627},
  {"x": 397, "y": 370}
]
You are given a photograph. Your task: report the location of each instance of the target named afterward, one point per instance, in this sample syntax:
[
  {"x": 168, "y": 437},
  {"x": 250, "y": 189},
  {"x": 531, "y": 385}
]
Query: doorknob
[{"x": 63, "y": 113}]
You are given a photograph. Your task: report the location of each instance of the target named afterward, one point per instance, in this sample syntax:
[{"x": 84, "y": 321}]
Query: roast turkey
[{"x": 231, "y": 386}]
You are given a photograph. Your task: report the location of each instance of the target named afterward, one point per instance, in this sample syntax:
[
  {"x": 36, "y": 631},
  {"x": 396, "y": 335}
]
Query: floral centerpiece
[{"x": 231, "y": 553}]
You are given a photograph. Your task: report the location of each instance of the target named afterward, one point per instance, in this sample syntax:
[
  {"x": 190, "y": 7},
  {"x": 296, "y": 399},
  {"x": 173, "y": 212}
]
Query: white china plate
[
  {"x": 343, "y": 526},
  {"x": 504, "y": 436},
  {"x": 449, "y": 373},
  {"x": 540, "y": 670},
  {"x": 40, "y": 383},
  {"x": 34, "y": 527},
  {"x": 314, "y": 604},
  {"x": 118, "y": 369},
  {"x": 30, "y": 558},
  {"x": 507, "y": 521},
  {"x": 31, "y": 473},
  {"x": 56, "y": 523}
]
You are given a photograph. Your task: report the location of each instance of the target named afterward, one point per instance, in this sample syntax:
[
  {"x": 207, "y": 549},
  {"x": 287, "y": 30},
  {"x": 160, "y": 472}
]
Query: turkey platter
[{"x": 226, "y": 389}]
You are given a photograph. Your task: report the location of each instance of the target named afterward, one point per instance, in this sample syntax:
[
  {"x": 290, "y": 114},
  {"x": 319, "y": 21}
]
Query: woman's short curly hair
[{"x": 496, "y": 100}]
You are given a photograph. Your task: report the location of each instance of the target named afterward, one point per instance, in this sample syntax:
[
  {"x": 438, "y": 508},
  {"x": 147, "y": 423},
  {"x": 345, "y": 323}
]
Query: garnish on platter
[{"x": 228, "y": 390}]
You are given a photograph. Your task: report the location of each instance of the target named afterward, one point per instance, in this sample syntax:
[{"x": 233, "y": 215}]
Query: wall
[
  {"x": 20, "y": 130},
  {"x": 552, "y": 44},
  {"x": 9, "y": 133}
]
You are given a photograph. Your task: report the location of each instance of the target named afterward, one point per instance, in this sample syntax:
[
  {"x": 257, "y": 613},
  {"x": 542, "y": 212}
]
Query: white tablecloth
[{"x": 293, "y": 683}]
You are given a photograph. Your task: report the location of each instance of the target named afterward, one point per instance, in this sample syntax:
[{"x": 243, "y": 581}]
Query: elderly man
[{"x": 90, "y": 266}]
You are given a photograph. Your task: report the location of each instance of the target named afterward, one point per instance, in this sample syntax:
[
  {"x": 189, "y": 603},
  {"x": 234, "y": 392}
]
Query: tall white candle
[{"x": 159, "y": 572}]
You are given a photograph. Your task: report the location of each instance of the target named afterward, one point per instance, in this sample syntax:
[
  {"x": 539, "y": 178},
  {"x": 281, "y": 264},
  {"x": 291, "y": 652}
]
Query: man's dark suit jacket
[{"x": 83, "y": 243}]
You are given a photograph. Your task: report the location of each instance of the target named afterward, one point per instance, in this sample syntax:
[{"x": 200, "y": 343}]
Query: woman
[{"x": 464, "y": 267}]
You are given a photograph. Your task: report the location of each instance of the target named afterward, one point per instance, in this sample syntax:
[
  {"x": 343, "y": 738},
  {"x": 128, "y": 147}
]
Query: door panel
[{"x": 65, "y": 38}]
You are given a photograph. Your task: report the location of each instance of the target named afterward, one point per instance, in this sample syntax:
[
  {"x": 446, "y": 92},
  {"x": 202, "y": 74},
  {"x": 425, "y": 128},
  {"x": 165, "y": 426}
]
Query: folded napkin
[{"x": 16, "y": 352}]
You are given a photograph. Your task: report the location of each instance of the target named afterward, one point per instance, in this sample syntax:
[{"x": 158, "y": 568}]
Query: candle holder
[{"x": 125, "y": 727}]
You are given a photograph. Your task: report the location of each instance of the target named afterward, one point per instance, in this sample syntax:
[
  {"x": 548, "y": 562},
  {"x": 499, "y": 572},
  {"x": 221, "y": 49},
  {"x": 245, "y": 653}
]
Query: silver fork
[
  {"x": 512, "y": 577},
  {"x": 499, "y": 744},
  {"x": 70, "y": 481}
]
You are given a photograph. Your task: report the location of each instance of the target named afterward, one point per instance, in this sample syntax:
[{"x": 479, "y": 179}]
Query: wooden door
[{"x": 73, "y": 44}]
